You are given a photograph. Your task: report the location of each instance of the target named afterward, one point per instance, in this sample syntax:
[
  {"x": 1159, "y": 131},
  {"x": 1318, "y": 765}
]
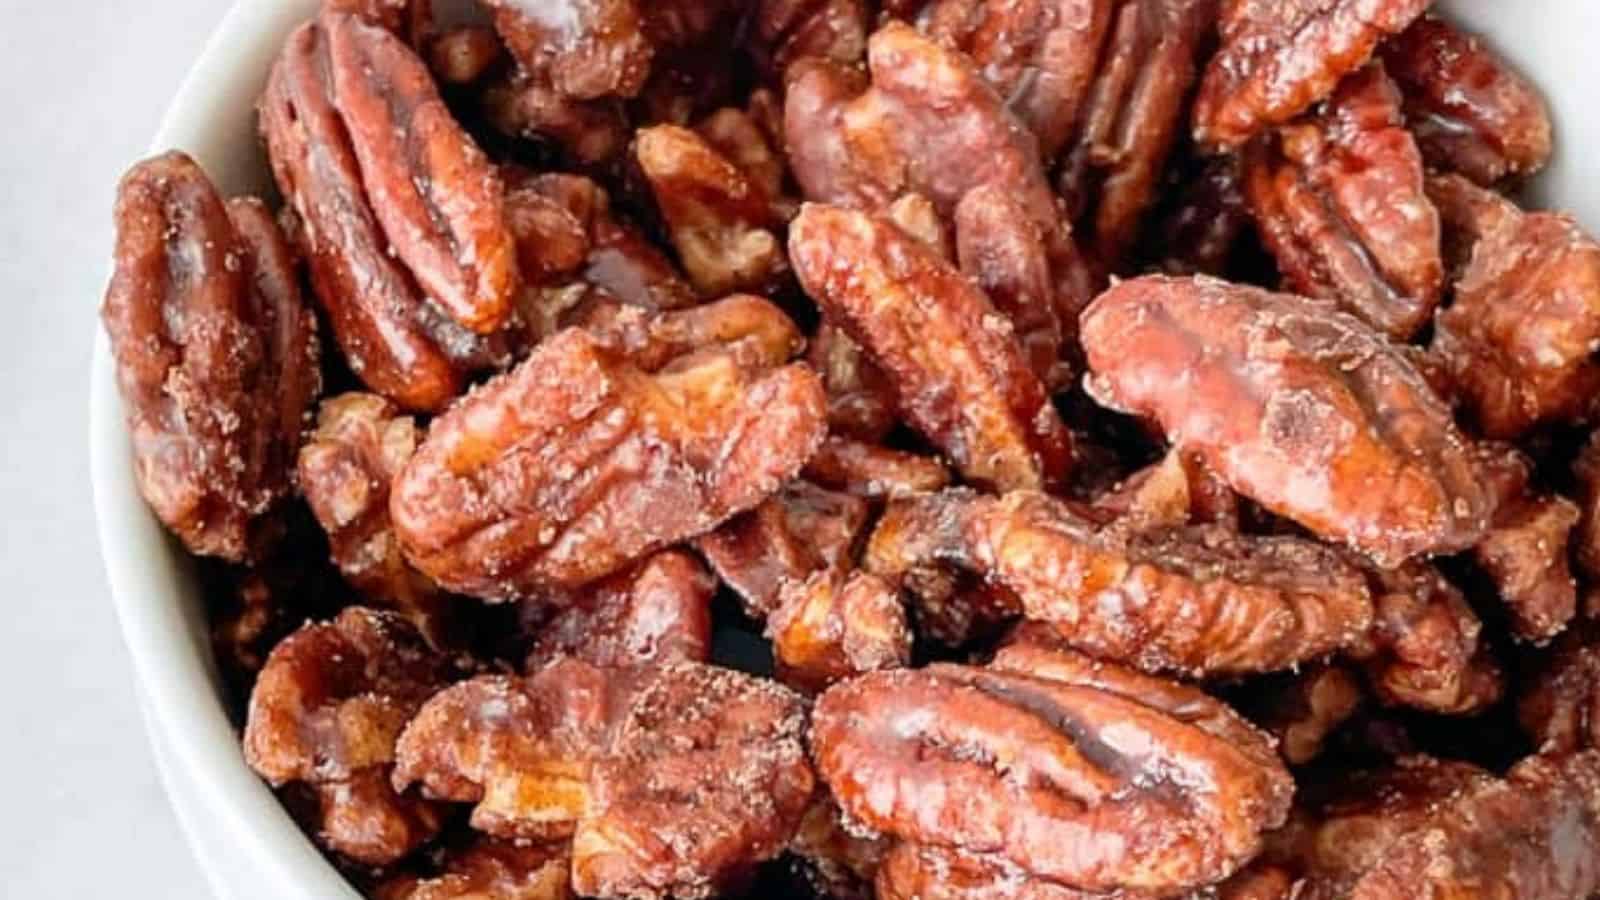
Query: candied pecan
[
  {"x": 1470, "y": 110},
  {"x": 874, "y": 472},
  {"x": 1200, "y": 233},
  {"x": 491, "y": 869},
  {"x": 778, "y": 32},
  {"x": 798, "y": 531},
  {"x": 576, "y": 463},
  {"x": 362, "y": 818},
  {"x": 752, "y": 330},
  {"x": 587, "y": 48},
  {"x": 1467, "y": 214},
  {"x": 752, "y": 145},
  {"x": 393, "y": 338},
  {"x": 1339, "y": 199},
  {"x": 525, "y": 105},
  {"x": 1279, "y": 57},
  {"x": 861, "y": 398},
  {"x": 326, "y": 711},
  {"x": 1525, "y": 554},
  {"x": 1201, "y": 599},
  {"x": 1557, "y": 707},
  {"x": 1007, "y": 761},
  {"x": 1298, "y": 407},
  {"x": 410, "y": 20},
  {"x": 1301, "y": 709},
  {"x": 658, "y": 612},
  {"x": 1178, "y": 490},
  {"x": 1424, "y": 649},
  {"x": 464, "y": 54},
  {"x": 1519, "y": 339},
  {"x": 1586, "y": 474},
  {"x": 918, "y": 872},
  {"x": 833, "y": 625},
  {"x": 719, "y": 219},
  {"x": 835, "y": 862},
  {"x": 961, "y": 377},
  {"x": 216, "y": 353}
]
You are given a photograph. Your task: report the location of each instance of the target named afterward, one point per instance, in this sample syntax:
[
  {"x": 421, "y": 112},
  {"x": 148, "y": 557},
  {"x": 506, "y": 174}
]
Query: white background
[{"x": 84, "y": 813}]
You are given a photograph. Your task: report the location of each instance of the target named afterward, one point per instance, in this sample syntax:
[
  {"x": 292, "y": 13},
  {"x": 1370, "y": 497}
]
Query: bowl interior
[{"x": 152, "y": 581}]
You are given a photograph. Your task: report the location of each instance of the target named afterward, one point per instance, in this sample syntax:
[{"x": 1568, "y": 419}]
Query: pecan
[
  {"x": 362, "y": 818},
  {"x": 1004, "y": 761},
  {"x": 1557, "y": 708},
  {"x": 754, "y": 332},
  {"x": 658, "y": 612},
  {"x": 961, "y": 377},
  {"x": 1468, "y": 213},
  {"x": 1519, "y": 338},
  {"x": 326, "y": 712},
  {"x": 1525, "y": 555},
  {"x": 1339, "y": 199},
  {"x": 410, "y": 20},
  {"x": 1586, "y": 474},
  {"x": 1471, "y": 111},
  {"x": 1424, "y": 650},
  {"x": 216, "y": 351},
  {"x": 1296, "y": 406},
  {"x": 491, "y": 869},
  {"x": 576, "y": 463},
  {"x": 1301, "y": 709},
  {"x": 779, "y": 32},
  {"x": 861, "y": 398},
  {"x": 800, "y": 530},
  {"x": 1178, "y": 490},
  {"x": 874, "y": 472},
  {"x": 587, "y": 48},
  {"x": 464, "y": 54},
  {"x": 1201, "y": 599},
  {"x": 394, "y": 339},
  {"x": 832, "y": 625},
  {"x": 754, "y": 145},
  {"x": 1279, "y": 57},
  {"x": 835, "y": 862},
  {"x": 525, "y": 105}
]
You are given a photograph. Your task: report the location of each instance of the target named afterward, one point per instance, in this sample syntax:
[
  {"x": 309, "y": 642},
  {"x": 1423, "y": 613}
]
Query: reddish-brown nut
[
  {"x": 217, "y": 357},
  {"x": 800, "y": 530},
  {"x": 835, "y": 862},
  {"x": 410, "y": 20},
  {"x": 1424, "y": 650},
  {"x": 1279, "y": 57},
  {"x": 752, "y": 330},
  {"x": 525, "y": 105},
  {"x": 1179, "y": 490},
  {"x": 1586, "y": 541},
  {"x": 833, "y": 625},
  {"x": 362, "y": 818},
  {"x": 961, "y": 376},
  {"x": 1519, "y": 340},
  {"x": 861, "y": 398},
  {"x": 1468, "y": 213},
  {"x": 576, "y": 463},
  {"x": 464, "y": 54},
  {"x": 491, "y": 869},
  {"x": 872, "y": 471},
  {"x": 1075, "y": 771},
  {"x": 1339, "y": 199},
  {"x": 1557, "y": 708},
  {"x": 1525, "y": 555},
  {"x": 917, "y": 872},
  {"x": 435, "y": 194},
  {"x": 658, "y": 612},
  {"x": 1202, "y": 599},
  {"x": 1471, "y": 111},
  {"x": 587, "y": 48},
  {"x": 754, "y": 145},
  {"x": 1301, "y": 709},
  {"x": 778, "y": 32},
  {"x": 1296, "y": 406},
  {"x": 720, "y": 220},
  {"x": 397, "y": 342}
]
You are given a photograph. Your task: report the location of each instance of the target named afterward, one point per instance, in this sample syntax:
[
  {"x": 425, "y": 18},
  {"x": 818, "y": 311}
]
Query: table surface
[{"x": 88, "y": 82}]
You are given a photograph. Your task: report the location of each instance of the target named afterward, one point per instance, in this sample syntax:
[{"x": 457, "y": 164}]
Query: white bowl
[{"x": 152, "y": 581}]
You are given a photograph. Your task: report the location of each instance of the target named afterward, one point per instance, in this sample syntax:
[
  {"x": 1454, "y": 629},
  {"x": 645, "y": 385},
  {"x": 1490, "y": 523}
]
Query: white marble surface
[{"x": 86, "y": 816}]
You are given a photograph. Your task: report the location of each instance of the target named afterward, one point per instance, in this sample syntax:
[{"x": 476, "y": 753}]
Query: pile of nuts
[{"x": 1052, "y": 449}]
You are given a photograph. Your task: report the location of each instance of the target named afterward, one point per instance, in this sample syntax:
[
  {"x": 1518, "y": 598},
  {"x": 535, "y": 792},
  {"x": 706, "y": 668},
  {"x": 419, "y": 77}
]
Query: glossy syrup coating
[
  {"x": 658, "y": 612},
  {"x": 216, "y": 352},
  {"x": 1299, "y": 407},
  {"x": 576, "y": 463}
]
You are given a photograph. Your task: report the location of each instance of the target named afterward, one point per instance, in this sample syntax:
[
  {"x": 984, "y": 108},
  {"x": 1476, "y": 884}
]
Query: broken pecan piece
[
  {"x": 1558, "y": 707},
  {"x": 961, "y": 376},
  {"x": 658, "y": 612},
  {"x": 1298, "y": 407},
  {"x": 587, "y": 48},
  {"x": 1470, "y": 110},
  {"x": 1525, "y": 555},
  {"x": 1007, "y": 761},
  {"x": 1339, "y": 199},
  {"x": 1468, "y": 213},
  {"x": 576, "y": 463},
  {"x": 779, "y": 32},
  {"x": 1300, "y": 709},
  {"x": 526, "y": 105},
  {"x": 753, "y": 331},
  {"x": 861, "y": 398},
  {"x": 216, "y": 352},
  {"x": 464, "y": 54},
  {"x": 874, "y": 472},
  {"x": 1424, "y": 650},
  {"x": 1279, "y": 57},
  {"x": 833, "y": 625},
  {"x": 835, "y": 862},
  {"x": 491, "y": 869}
]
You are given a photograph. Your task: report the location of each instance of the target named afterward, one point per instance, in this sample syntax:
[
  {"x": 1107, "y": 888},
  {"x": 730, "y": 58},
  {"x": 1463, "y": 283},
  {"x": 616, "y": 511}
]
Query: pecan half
[
  {"x": 1007, "y": 760},
  {"x": 874, "y": 472},
  {"x": 587, "y": 48},
  {"x": 1470, "y": 110},
  {"x": 1301, "y": 408},
  {"x": 491, "y": 869},
  {"x": 779, "y": 32},
  {"x": 833, "y": 625},
  {"x": 1339, "y": 199},
  {"x": 216, "y": 352},
  {"x": 658, "y": 612},
  {"x": 1201, "y": 599},
  {"x": 1279, "y": 57},
  {"x": 576, "y": 463},
  {"x": 961, "y": 376},
  {"x": 1468, "y": 213}
]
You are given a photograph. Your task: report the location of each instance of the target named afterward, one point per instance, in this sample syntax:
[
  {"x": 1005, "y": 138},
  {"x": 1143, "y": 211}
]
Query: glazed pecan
[
  {"x": 1301, "y": 408},
  {"x": 587, "y": 48},
  {"x": 326, "y": 711},
  {"x": 798, "y": 531},
  {"x": 1519, "y": 338},
  {"x": 1470, "y": 110},
  {"x": 576, "y": 463},
  {"x": 1178, "y": 490},
  {"x": 410, "y": 20},
  {"x": 778, "y": 32},
  {"x": 1557, "y": 708},
  {"x": 874, "y": 472},
  {"x": 835, "y": 862},
  {"x": 754, "y": 332},
  {"x": 961, "y": 376},
  {"x": 1468, "y": 213},
  {"x": 833, "y": 625},
  {"x": 216, "y": 352},
  {"x": 752, "y": 139},
  {"x": 1525, "y": 555},
  {"x": 658, "y": 612},
  {"x": 1424, "y": 649},
  {"x": 1005, "y": 760},
  {"x": 394, "y": 339},
  {"x": 1300, "y": 709},
  {"x": 491, "y": 869},
  {"x": 1201, "y": 599},
  {"x": 526, "y": 105},
  {"x": 1586, "y": 474},
  {"x": 1279, "y": 57},
  {"x": 1339, "y": 199},
  {"x": 861, "y": 398}
]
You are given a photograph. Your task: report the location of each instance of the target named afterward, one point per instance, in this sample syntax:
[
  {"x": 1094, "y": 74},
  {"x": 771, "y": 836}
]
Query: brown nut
[
  {"x": 1301, "y": 709},
  {"x": 1586, "y": 475},
  {"x": 658, "y": 612},
  {"x": 1339, "y": 199},
  {"x": 831, "y": 626},
  {"x": 752, "y": 139},
  {"x": 576, "y": 463},
  {"x": 1298, "y": 407},
  {"x": 1425, "y": 651},
  {"x": 1557, "y": 708},
  {"x": 1525, "y": 555},
  {"x": 1471, "y": 111},
  {"x": 1468, "y": 213},
  {"x": 362, "y": 819},
  {"x": 798, "y": 531},
  {"x": 411, "y": 20},
  {"x": 216, "y": 352},
  {"x": 861, "y": 398},
  {"x": 874, "y": 472},
  {"x": 919, "y": 872},
  {"x": 1011, "y": 761},
  {"x": 779, "y": 32},
  {"x": 491, "y": 869},
  {"x": 835, "y": 863},
  {"x": 587, "y": 48},
  {"x": 526, "y": 105},
  {"x": 961, "y": 376},
  {"x": 752, "y": 330},
  {"x": 1202, "y": 599},
  {"x": 1179, "y": 490},
  {"x": 1279, "y": 57}
]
